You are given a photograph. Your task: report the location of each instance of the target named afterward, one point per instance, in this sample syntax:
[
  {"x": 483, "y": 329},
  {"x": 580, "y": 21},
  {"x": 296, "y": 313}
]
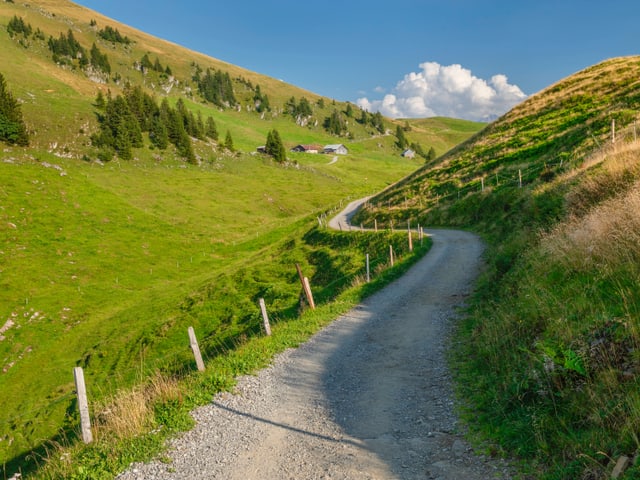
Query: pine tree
[
  {"x": 99, "y": 60},
  {"x": 364, "y": 117},
  {"x": 12, "y": 127},
  {"x": 274, "y": 146},
  {"x": 100, "y": 101},
  {"x": 211, "y": 129},
  {"x": 304, "y": 108},
  {"x": 228, "y": 142},
  {"x": 335, "y": 123},
  {"x": 120, "y": 129},
  {"x": 17, "y": 25},
  {"x": 145, "y": 63},
  {"x": 158, "y": 133},
  {"x": 349, "y": 111},
  {"x": 401, "y": 141},
  {"x": 377, "y": 122}
]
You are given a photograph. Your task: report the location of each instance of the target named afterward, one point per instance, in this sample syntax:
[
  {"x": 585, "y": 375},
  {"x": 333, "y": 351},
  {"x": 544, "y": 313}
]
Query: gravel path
[{"x": 368, "y": 397}]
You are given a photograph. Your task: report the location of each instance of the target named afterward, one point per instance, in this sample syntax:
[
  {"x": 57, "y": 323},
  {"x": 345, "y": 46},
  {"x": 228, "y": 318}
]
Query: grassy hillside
[
  {"x": 548, "y": 358},
  {"x": 104, "y": 264}
]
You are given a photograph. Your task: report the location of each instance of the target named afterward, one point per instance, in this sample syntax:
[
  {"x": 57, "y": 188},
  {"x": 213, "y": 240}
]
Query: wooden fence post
[
  {"x": 265, "y": 317},
  {"x": 375, "y": 225},
  {"x": 193, "y": 342},
  {"x": 613, "y": 131},
  {"x": 306, "y": 287},
  {"x": 410, "y": 242},
  {"x": 83, "y": 405},
  {"x": 309, "y": 293},
  {"x": 391, "y": 255},
  {"x": 368, "y": 270},
  {"x": 519, "y": 178}
]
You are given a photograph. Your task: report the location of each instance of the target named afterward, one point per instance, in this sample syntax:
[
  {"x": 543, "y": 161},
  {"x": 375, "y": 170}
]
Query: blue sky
[{"x": 463, "y": 58}]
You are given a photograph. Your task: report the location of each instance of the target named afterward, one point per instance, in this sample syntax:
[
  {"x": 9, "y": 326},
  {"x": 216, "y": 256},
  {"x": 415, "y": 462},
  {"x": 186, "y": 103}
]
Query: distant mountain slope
[{"x": 58, "y": 88}]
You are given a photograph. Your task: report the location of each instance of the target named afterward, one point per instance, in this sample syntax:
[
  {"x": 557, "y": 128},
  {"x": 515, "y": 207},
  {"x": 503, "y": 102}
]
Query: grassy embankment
[{"x": 547, "y": 360}]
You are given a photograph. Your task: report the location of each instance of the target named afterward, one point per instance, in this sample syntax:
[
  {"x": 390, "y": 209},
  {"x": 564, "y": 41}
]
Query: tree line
[
  {"x": 67, "y": 50},
  {"x": 113, "y": 35},
  {"x": 126, "y": 117}
]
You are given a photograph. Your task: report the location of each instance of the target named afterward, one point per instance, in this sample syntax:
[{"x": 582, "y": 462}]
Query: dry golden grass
[
  {"x": 129, "y": 413},
  {"x": 608, "y": 234}
]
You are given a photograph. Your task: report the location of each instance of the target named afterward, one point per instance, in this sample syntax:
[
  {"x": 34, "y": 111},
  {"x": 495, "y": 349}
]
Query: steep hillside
[{"x": 547, "y": 360}]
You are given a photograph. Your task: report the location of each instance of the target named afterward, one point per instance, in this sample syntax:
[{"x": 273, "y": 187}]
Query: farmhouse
[
  {"x": 340, "y": 149},
  {"x": 408, "y": 153},
  {"x": 307, "y": 148}
]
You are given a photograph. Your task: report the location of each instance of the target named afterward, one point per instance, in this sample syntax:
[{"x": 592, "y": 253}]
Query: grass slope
[
  {"x": 105, "y": 265},
  {"x": 548, "y": 357}
]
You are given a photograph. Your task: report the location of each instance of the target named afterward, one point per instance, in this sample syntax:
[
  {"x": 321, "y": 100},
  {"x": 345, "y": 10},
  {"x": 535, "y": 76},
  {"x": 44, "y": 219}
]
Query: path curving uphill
[{"x": 368, "y": 397}]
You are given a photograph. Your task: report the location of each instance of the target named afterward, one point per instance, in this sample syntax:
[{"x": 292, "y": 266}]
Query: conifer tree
[
  {"x": 100, "y": 101},
  {"x": 274, "y": 146},
  {"x": 17, "y": 25},
  {"x": 99, "y": 60},
  {"x": 401, "y": 141},
  {"x": 228, "y": 142},
  {"x": 335, "y": 123},
  {"x": 377, "y": 122},
  {"x": 12, "y": 127},
  {"x": 211, "y": 129},
  {"x": 349, "y": 111},
  {"x": 304, "y": 108},
  {"x": 158, "y": 133}
]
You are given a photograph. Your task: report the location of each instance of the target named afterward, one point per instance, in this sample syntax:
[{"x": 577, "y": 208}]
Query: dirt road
[{"x": 369, "y": 397}]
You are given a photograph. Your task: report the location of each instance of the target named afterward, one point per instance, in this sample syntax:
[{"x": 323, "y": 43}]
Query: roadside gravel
[{"x": 368, "y": 397}]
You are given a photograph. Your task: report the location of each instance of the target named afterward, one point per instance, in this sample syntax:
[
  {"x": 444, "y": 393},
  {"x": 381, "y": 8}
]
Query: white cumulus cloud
[{"x": 448, "y": 91}]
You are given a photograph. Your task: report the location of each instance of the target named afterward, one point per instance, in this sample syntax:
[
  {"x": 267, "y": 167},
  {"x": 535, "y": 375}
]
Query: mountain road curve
[{"x": 368, "y": 397}]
